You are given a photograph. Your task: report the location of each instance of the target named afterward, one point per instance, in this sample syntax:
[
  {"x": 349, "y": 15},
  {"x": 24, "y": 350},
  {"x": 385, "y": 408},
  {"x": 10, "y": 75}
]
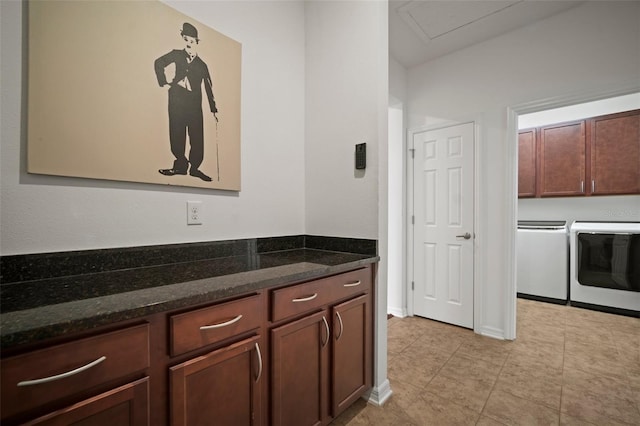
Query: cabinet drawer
[
  {"x": 305, "y": 297},
  {"x": 195, "y": 329},
  {"x": 350, "y": 283},
  {"x": 46, "y": 375}
]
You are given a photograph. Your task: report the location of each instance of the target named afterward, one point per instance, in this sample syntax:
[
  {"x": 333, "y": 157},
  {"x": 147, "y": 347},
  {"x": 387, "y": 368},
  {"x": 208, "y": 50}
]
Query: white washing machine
[{"x": 542, "y": 260}]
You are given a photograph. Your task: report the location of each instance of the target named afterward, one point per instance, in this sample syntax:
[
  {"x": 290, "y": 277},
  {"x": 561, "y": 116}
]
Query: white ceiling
[{"x": 422, "y": 30}]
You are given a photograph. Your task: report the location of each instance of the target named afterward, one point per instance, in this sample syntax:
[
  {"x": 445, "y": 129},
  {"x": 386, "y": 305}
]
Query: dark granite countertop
[{"x": 47, "y": 306}]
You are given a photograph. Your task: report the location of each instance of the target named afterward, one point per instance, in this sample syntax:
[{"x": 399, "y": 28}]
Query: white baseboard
[
  {"x": 380, "y": 394},
  {"x": 397, "y": 312},
  {"x": 496, "y": 333}
]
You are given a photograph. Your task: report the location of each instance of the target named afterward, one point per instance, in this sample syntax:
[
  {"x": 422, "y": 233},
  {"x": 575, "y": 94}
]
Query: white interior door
[{"x": 443, "y": 204}]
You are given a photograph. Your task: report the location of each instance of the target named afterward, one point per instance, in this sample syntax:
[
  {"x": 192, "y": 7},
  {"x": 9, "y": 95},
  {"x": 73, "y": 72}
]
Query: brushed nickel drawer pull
[
  {"x": 222, "y": 324},
  {"x": 353, "y": 284},
  {"x": 326, "y": 325},
  {"x": 305, "y": 299},
  {"x": 259, "y": 362},
  {"x": 341, "y": 326},
  {"x": 63, "y": 375}
]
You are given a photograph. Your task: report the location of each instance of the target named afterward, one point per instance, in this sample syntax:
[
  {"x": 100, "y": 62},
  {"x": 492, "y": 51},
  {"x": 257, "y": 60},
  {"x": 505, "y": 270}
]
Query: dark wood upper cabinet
[
  {"x": 527, "y": 163},
  {"x": 595, "y": 156},
  {"x": 615, "y": 153},
  {"x": 562, "y": 159}
]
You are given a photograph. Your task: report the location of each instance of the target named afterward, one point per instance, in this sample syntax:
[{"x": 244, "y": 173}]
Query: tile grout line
[
  {"x": 564, "y": 354},
  {"x": 517, "y": 396},
  {"x": 493, "y": 387},
  {"x": 440, "y": 369},
  {"x": 567, "y": 323}
]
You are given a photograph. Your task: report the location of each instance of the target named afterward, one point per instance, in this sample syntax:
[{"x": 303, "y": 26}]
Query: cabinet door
[
  {"x": 527, "y": 163},
  {"x": 219, "y": 388},
  {"x": 351, "y": 358},
  {"x": 615, "y": 153},
  {"x": 562, "y": 159},
  {"x": 126, "y": 405},
  {"x": 299, "y": 380}
]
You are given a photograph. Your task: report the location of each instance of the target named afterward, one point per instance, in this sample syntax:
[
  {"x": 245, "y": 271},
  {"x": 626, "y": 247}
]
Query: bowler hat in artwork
[{"x": 189, "y": 30}]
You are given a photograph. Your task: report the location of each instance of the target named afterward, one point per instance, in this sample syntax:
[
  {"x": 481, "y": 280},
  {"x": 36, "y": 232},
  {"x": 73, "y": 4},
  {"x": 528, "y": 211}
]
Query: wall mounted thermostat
[{"x": 361, "y": 156}]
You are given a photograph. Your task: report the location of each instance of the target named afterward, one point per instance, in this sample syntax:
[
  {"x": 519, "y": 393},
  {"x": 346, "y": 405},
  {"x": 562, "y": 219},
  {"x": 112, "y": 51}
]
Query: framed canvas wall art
[{"x": 132, "y": 91}]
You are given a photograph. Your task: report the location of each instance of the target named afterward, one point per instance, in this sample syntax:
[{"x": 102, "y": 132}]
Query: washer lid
[{"x": 542, "y": 224}]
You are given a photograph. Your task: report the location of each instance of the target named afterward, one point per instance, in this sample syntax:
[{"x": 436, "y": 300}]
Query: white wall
[
  {"x": 619, "y": 208},
  {"x": 397, "y": 303},
  {"x": 43, "y": 213},
  {"x": 314, "y": 84},
  {"x": 592, "y": 48},
  {"x": 347, "y": 92},
  {"x": 342, "y": 99},
  {"x": 580, "y": 111}
]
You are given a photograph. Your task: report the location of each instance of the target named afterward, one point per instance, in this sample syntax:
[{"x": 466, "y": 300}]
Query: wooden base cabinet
[
  {"x": 88, "y": 378},
  {"x": 127, "y": 405},
  {"x": 351, "y": 355},
  {"x": 294, "y": 355},
  {"x": 322, "y": 362},
  {"x": 219, "y": 388},
  {"x": 299, "y": 377}
]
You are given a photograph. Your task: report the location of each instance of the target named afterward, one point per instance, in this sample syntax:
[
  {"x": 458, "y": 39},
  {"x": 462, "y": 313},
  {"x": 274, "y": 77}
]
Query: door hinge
[
  {"x": 413, "y": 285},
  {"x": 413, "y": 220},
  {"x": 413, "y": 152}
]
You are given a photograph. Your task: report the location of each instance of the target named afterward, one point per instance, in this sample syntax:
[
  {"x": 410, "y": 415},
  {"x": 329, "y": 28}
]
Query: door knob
[{"x": 466, "y": 236}]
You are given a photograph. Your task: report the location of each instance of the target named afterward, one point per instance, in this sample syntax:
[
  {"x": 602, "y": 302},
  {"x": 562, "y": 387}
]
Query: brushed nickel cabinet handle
[
  {"x": 353, "y": 284},
  {"x": 305, "y": 299},
  {"x": 593, "y": 186},
  {"x": 222, "y": 324},
  {"x": 582, "y": 186},
  {"x": 259, "y": 362},
  {"x": 63, "y": 375},
  {"x": 326, "y": 326},
  {"x": 341, "y": 326}
]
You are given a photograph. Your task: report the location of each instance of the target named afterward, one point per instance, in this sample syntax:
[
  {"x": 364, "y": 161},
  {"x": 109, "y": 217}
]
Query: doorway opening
[{"x": 567, "y": 208}]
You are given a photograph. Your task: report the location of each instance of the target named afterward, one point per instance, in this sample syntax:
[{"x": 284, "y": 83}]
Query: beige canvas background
[{"x": 95, "y": 108}]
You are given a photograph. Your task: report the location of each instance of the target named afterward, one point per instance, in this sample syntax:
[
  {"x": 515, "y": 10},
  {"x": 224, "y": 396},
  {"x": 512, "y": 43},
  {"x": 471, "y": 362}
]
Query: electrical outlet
[{"x": 194, "y": 211}]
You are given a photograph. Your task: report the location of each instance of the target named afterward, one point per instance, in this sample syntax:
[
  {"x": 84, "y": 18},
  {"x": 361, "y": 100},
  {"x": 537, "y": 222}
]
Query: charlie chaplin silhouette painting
[{"x": 185, "y": 103}]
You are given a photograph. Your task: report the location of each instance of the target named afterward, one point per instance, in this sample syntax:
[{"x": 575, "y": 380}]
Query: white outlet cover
[{"x": 194, "y": 212}]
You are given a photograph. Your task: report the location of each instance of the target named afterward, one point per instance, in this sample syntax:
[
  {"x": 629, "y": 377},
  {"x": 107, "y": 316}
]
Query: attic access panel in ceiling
[
  {"x": 422, "y": 30},
  {"x": 433, "y": 19}
]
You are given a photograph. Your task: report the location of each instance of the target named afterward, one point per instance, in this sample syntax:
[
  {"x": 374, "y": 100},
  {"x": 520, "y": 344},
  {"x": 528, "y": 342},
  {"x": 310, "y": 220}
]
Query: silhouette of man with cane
[{"x": 185, "y": 103}]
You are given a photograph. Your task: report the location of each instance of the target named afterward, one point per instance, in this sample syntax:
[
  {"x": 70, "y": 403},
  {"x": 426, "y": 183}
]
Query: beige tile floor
[{"x": 568, "y": 366}]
